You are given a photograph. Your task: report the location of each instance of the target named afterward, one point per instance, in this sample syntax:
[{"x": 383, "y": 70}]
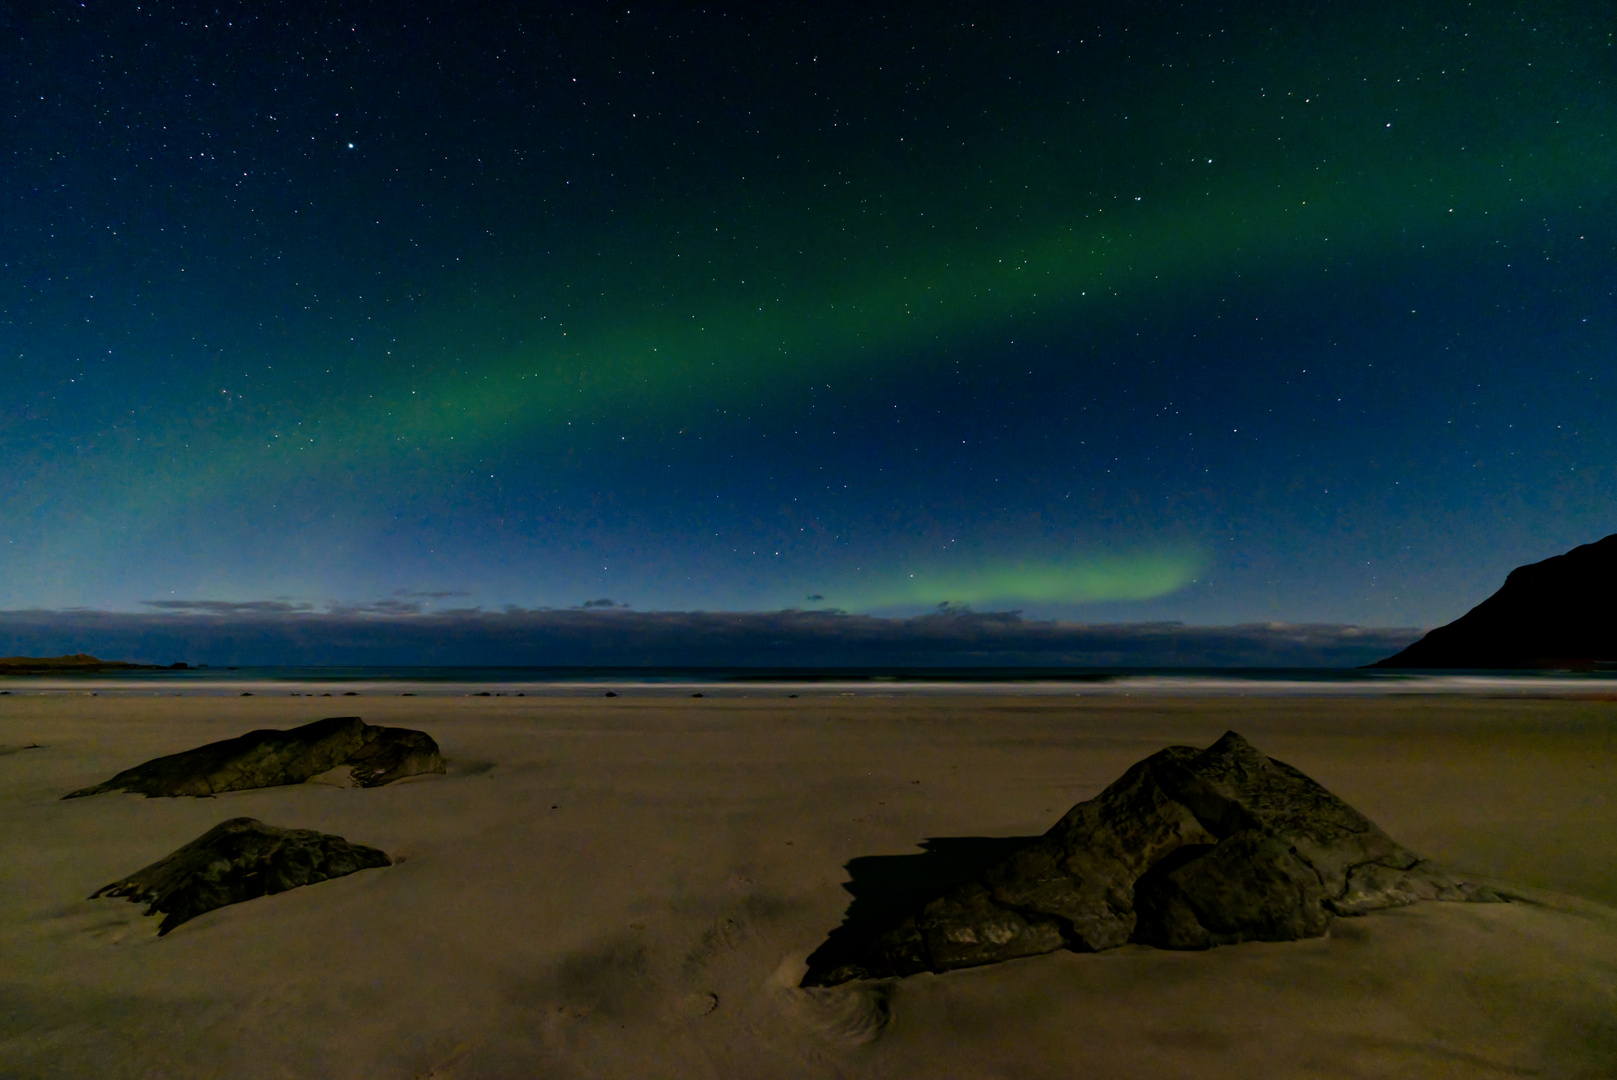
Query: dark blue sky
[{"x": 1150, "y": 311}]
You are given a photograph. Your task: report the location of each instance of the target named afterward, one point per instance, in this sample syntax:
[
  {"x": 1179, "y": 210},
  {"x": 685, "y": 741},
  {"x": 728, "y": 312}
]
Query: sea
[{"x": 809, "y": 682}]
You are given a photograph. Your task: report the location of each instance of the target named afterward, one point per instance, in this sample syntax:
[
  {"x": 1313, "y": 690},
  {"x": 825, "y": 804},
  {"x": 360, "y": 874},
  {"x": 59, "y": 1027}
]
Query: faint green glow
[
  {"x": 1095, "y": 260},
  {"x": 802, "y": 297},
  {"x": 1079, "y": 580},
  {"x": 1097, "y": 266}
]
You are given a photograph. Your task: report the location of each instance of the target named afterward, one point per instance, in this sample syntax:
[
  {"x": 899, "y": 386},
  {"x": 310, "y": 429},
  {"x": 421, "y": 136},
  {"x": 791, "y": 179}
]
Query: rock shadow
[{"x": 885, "y": 888}]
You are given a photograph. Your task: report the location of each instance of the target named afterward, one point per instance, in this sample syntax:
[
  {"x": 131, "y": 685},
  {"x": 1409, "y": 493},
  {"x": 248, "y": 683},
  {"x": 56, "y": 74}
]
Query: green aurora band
[
  {"x": 1078, "y": 580},
  {"x": 801, "y": 293}
]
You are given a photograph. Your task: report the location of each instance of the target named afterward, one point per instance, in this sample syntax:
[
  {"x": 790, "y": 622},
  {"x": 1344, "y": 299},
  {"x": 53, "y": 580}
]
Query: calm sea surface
[{"x": 737, "y": 682}]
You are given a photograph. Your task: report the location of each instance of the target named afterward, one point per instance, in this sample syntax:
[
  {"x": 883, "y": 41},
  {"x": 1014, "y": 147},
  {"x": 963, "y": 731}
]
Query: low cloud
[
  {"x": 378, "y": 607},
  {"x": 396, "y": 632},
  {"x": 227, "y": 607}
]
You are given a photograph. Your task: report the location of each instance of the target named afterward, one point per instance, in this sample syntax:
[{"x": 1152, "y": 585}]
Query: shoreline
[{"x": 1575, "y": 686}]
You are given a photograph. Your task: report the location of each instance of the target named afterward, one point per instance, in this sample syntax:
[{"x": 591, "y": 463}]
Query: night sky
[{"x": 1114, "y": 312}]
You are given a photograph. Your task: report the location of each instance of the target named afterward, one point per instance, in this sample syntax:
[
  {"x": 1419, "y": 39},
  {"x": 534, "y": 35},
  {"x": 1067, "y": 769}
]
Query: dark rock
[
  {"x": 273, "y": 758},
  {"x": 393, "y": 753},
  {"x": 1187, "y": 850},
  {"x": 1550, "y": 614},
  {"x": 238, "y": 860},
  {"x": 264, "y": 758}
]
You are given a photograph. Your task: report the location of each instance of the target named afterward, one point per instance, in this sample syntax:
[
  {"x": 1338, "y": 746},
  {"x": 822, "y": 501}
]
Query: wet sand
[{"x": 628, "y": 887}]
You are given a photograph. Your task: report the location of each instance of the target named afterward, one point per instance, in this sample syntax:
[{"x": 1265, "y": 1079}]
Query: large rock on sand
[
  {"x": 238, "y": 860},
  {"x": 1187, "y": 850},
  {"x": 272, "y": 758}
]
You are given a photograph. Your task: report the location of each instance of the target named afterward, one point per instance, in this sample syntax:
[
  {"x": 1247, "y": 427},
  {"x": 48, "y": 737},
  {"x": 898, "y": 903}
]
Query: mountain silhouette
[{"x": 1559, "y": 613}]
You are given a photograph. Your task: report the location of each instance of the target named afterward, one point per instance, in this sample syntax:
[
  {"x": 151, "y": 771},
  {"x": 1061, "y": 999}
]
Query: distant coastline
[{"x": 76, "y": 664}]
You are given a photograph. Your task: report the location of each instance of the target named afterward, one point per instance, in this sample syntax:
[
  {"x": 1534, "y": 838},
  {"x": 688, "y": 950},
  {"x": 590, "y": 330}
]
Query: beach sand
[{"x": 628, "y": 887}]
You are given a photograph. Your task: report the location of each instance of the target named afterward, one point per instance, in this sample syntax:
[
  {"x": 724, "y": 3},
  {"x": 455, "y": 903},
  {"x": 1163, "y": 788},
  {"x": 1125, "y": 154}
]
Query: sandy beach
[{"x": 628, "y": 887}]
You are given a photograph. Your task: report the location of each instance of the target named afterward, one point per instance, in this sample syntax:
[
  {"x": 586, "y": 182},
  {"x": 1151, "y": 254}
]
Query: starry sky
[{"x": 1122, "y": 312}]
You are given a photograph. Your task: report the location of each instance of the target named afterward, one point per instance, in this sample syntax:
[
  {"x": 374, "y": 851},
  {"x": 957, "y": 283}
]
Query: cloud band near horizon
[{"x": 397, "y": 633}]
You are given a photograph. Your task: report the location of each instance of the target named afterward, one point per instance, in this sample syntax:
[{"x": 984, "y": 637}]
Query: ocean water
[{"x": 809, "y": 682}]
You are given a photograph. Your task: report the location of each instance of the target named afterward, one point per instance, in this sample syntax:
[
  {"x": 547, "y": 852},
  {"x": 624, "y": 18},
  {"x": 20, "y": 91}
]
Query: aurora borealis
[{"x": 1292, "y": 312}]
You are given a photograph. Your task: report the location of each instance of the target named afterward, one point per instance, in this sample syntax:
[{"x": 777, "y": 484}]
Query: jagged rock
[
  {"x": 238, "y": 860},
  {"x": 1550, "y": 614},
  {"x": 272, "y": 758},
  {"x": 1187, "y": 850}
]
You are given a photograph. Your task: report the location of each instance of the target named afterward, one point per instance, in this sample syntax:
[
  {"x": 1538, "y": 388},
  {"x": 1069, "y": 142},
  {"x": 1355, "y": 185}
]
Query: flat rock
[
  {"x": 237, "y": 860},
  {"x": 273, "y": 758},
  {"x": 1187, "y": 850}
]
